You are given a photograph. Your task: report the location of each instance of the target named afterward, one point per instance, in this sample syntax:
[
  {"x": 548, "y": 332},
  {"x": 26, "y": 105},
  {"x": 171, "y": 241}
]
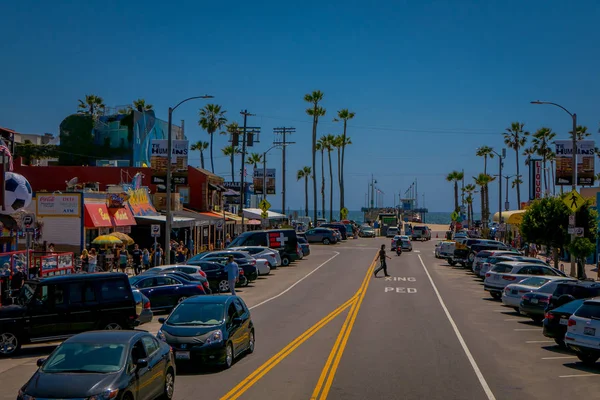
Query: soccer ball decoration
[{"x": 17, "y": 193}]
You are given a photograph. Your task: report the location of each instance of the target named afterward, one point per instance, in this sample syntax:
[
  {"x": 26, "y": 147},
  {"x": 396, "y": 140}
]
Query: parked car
[
  {"x": 217, "y": 277},
  {"x": 513, "y": 272},
  {"x": 272, "y": 256},
  {"x": 305, "y": 246},
  {"x": 188, "y": 272},
  {"x": 283, "y": 240},
  {"x": 209, "y": 330},
  {"x": 55, "y": 308},
  {"x": 482, "y": 256},
  {"x": 583, "y": 332},
  {"x": 556, "y": 321},
  {"x": 105, "y": 365},
  {"x": 243, "y": 260},
  {"x": 167, "y": 290},
  {"x": 514, "y": 292},
  {"x": 321, "y": 235},
  {"x": 339, "y": 226},
  {"x": 366, "y": 231},
  {"x": 446, "y": 249},
  {"x": 493, "y": 260},
  {"x": 143, "y": 308},
  {"x": 392, "y": 231}
]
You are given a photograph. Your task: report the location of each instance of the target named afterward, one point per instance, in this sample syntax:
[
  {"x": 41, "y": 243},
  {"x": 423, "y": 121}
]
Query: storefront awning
[
  {"x": 217, "y": 187},
  {"x": 97, "y": 216},
  {"x": 514, "y": 217},
  {"x": 254, "y": 213},
  {"x": 121, "y": 217},
  {"x": 177, "y": 222},
  {"x": 233, "y": 217}
]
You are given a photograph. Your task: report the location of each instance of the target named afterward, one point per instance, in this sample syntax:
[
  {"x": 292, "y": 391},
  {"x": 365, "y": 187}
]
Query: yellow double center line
[{"x": 334, "y": 358}]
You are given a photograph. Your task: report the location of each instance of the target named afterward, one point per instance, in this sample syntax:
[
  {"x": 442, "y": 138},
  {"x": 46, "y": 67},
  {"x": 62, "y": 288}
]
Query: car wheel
[
  {"x": 285, "y": 261},
  {"x": 113, "y": 326},
  {"x": 169, "y": 386},
  {"x": 326, "y": 241},
  {"x": 228, "y": 356},
  {"x": 495, "y": 295},
  {"x": 452, "y": 263},
  {"x": 9, "y": 344},
  {"x": 251, "y": 342},
  {"x": 560, "y": 342},
  {"x": 517, "y": 310},
  {"x": 587, "y": 359},
  {"x": 224, "y": 286}
]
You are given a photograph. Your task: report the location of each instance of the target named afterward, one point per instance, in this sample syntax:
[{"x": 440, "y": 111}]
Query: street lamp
[
  {"x": 500, "y": 158},
  {"x": 265, "y": 169},
  {"x": 574, "y": 165},
  {"x": 506, "y": 205},
  {"x": 169, "y": 215}
]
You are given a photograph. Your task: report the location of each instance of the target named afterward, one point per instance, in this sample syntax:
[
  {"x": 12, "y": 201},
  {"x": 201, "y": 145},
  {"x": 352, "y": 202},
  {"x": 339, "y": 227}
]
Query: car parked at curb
[
  {"x": 167, "y": 290},
  {"x": 556, "y": 321},
  {"x": 583, "y": 332},
  {"x": 509, "y": 272}
]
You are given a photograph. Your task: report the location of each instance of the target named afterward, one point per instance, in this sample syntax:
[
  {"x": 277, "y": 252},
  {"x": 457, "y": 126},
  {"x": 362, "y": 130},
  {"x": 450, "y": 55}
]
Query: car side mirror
[
  {"x": 161, "y": 320},
  {"x": 142, "y": 363},
  {"x": 40, "y": 361},
  {"x": 237, "y": 321}
]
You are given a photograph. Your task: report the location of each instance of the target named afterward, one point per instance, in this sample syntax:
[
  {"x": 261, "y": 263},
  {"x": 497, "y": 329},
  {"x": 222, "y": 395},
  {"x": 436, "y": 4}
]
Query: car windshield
[
  {"x": 197, "y": 314},
  {"x": 101, "y": 358},
  {"x": 536, "y": 282}
]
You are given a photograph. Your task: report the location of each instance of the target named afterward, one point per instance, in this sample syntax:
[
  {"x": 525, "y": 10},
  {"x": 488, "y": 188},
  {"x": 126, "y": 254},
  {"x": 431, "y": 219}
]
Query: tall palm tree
[
  {"x": 141, "y": 105},
  {"x": 469, "y": 189},
  {"x": 483, "y": 180},
  {"x": 212, "y": 119},
  {"x": 485, "y": 152},
  {"x": 582, "y": 132},
  {"x": 515, "y": 138},
  {"x": 330, "y": 142},
  {"x": 254, "y": 159},
  {"x": 92, "y": 105},
  {"x": 201, "y": 146},
  {"x": 305, "y": 173},
  {"x": 231, "y": 151},
  {"x": 315, "y": 112},
  {"x": 343, "y": 115},
  {"x": 321, "y": 145},
  {"x": 551, "y": 157},
  {"x": 542, "y": 139},
  {"x": 455, "y": 176}
]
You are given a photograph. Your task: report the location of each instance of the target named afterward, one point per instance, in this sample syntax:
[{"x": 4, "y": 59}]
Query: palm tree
[
  {"x": 515, "y": 138},
  {"x": 343, "y": 115},
  {"x": 330, "y": 143},
  {"x": 231, "y": 151},
  {"x": 485, "y": 152},
  {"x": 469, "y": 189},
  {"x": 141, "y": 105},
  {"x": 483, "y": 180},
  {"x": 455, "y": 176},
  {"x": 305, "y": 173},
  {"x": 201, "y": 146},
  {"x": 212, "y": 119},
  {"x": 321, "y": 145},
  {"x": 254, "y": 159},
  {"x": 542, "y": 139},
  {"x": 92, "y": 105},
  {"x": 315, "y": 112},
  {"x": 551, "y": 157},
  {"x": 582, "y": 132}
]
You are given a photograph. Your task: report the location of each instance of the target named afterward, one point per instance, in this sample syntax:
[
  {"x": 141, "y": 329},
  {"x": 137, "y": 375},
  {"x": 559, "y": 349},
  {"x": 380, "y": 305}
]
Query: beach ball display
[{"x": 17, "y": 193}]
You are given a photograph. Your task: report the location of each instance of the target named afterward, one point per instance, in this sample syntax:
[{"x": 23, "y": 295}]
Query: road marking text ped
[{"x": 400, "y": 289}]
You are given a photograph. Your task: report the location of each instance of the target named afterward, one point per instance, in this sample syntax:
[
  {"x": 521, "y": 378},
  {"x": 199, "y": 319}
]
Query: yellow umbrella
[
  {"x": 106, "y": 240},
  {"x": 123, "y": 237}
]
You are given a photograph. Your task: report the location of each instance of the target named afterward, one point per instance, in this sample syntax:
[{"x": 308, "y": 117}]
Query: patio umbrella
[
  {"x": 123, "y": 237},
  {"x": 106, "y": 240}
]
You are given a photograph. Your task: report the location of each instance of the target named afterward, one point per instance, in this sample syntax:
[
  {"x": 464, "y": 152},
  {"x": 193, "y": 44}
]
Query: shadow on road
[
  {"x": 558, "y": 350},
  {"x": 192, "y": 370},
  {"x": 35, "y": 351},
  {"x": 578, "y": 366}
]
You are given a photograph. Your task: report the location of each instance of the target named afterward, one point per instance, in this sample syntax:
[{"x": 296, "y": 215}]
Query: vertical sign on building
[
  {"x": 534, "y": 168},
  {"x": 538, "y": 179}
]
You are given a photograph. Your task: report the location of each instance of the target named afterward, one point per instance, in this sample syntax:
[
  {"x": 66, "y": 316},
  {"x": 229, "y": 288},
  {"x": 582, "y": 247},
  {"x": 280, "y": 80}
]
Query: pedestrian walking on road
[
  {"x": 383, "y": 265},
  {"x": 233, "y": 273}
]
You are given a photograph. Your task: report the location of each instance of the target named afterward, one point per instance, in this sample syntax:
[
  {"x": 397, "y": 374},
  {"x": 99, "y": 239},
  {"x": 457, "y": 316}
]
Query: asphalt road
[{"x": 325, "y": 328}]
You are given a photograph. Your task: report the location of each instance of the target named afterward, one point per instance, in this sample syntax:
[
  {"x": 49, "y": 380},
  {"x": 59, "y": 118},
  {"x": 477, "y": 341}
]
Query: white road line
[
  {"x": 482, "y": 381},
  {"x": 540, "y": 341},
  {"x": 294, "y": 284},
  {"x": 557, "y": 357},
  {"x": 416, "y": 251},
  {"x": 578, "y": 376},
  {"x": 526, "y": 329}
]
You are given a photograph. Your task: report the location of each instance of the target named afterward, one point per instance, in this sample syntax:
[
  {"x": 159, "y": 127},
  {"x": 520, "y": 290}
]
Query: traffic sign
[
  {"x": 571, "y": 220},
  {"x": 573, "y": 200},
  {"x": 28, "y": 223},
  {"x": 264, "y": 215},
  {"x": 155, "y": 230},
  {"x": 344, "y": 213},
  {"x": 577, "y": 231},
  {"x": 264, "y": 205}
]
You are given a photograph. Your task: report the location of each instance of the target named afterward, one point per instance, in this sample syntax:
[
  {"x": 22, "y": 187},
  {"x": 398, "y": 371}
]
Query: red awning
[
  {"x": 121, "y": 216},
  {"x": 96, "y": 216}
]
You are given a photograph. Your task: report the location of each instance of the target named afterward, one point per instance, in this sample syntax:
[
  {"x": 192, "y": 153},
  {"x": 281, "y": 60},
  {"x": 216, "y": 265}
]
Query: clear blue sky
[{"x": 429, "y": 81}]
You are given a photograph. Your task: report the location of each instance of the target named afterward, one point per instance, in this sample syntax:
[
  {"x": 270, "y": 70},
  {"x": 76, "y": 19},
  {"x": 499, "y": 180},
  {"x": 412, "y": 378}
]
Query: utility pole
[
  {"x": 373, "y": 182},
  {"x": 283, "y": 131},
  {"x": 462, "y": 201},
  {"x": 247, "y": 140}
]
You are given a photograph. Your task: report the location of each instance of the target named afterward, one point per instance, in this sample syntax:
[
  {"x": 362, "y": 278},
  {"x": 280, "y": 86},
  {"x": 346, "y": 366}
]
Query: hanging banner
[
  {"x": 179, "y": 155},
  {"x": 585, "y": 162},
  {"x": 257, "y": 180}
]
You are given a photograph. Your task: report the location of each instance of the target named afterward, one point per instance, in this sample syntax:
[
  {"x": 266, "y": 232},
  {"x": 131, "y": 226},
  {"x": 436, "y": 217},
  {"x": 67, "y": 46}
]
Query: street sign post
[
  {"x": 264, "y": 205},
  {"x": 28, "y": 226},
  {"x": 573, "y": 200},
  {"x": 155, "y": 233},
  {"x": 571, "y": 220},
  {"x": 577, "y": 231}
]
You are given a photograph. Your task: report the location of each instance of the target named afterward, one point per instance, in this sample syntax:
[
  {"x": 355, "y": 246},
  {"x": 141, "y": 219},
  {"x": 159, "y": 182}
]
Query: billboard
[
  {"x": 159, "y": 159},
  {"x": 535, "y": 179},
  {"x": 585, "y": 162},
  {"x": 257, "y": 180}
]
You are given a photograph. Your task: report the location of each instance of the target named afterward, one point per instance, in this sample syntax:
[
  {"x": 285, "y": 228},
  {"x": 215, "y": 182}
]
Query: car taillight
[
  {"x": 253, "y": 262},
  {"x": 571, "y": 322},
  {"x": 241, "y": 272},
  {"x": 200, "y": 287},
  {"x": 202, "y": 273},
  {"x": 507, "y": 289},
  {"x": 545, "y": 299},
  {"x": 487, "y": 275},
  {"x": 549, "y": 316},
  {"x": 147, "y": 305},
  {"x": 509, "y": 278},
  {"x": 205, "y": 284}
]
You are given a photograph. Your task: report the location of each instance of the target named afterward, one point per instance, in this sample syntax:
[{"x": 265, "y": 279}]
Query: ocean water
[{"x": 431, "y": 217}]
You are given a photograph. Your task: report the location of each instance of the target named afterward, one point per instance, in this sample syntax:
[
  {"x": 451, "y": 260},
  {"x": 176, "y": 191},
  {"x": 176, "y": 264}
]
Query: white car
[
  {"x": 392, "y": 231},
  {"x": 486, "y": 266},
  {"x": 262, "y": 266},
  {"x": 583, "y": 331},
  {"x": 512, "y": 294},
  {"x": 446, "y": 249},
  {"x": 272, "y": 256},
  {"x": 505, "y": 273}
]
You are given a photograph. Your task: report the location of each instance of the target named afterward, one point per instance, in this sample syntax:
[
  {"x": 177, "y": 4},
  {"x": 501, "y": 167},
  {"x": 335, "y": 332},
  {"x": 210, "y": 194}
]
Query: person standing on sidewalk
[
  {"x": 383, "y": 265},
  {"x": 136, "y": 256},
  {"x": 233, "y": 273}
]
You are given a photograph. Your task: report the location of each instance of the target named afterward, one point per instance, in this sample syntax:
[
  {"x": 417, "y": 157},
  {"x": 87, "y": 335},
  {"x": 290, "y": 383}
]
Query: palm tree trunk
[
  {"x": 341, "y": 170},
  {"x": 212, "y": 165},
  {"x": 553, "y": 181},
  {"x": 232, "y": 167},
  {"x": 455, "y": 195},
  {"x": 545, "y": 175},
  {"x": 487, "y": 203},
  {"x": 314, "y": 165},
  {"x": 485, "y": 164},
  {"x": 201, "y": 159},
  {"x": 330, "y": 187},
  {"x": 518, "y": 184},
  {"x": 339, "y": 165},
  {"x": 306, "y": 195},
  {"x": 323, "y": 180},
  {"x": 482, "y": 194}
]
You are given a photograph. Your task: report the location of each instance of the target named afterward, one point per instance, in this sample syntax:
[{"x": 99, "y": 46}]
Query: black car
[
  {"x": 55, "y": 308},
  {"x": 105, "y": 365},
  {"x": 555, "y": 294},
  {"x": 244, "y": 260},
  {"x": 217, "y": 276},
  {"x": 177, "y": 272},
  {"x": 166, "y": 290},
  {"x": 555, "y": 321},
  {"x": 209, "y": 330}
]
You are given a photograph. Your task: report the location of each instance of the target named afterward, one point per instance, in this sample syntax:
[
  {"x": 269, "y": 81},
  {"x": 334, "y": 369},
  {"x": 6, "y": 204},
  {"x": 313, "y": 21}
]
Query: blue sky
[{"x": 429, "y": 81}]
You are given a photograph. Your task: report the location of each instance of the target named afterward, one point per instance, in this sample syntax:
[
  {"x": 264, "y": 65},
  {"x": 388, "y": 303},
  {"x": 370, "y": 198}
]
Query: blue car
[{"x": 167, "y": 290}]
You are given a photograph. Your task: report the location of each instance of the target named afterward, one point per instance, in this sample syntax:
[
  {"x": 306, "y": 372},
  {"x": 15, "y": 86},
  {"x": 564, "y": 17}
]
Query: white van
[{"x": 392, "y": 231}]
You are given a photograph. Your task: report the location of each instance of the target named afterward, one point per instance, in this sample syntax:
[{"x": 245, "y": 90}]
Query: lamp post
[
  {"x": 169, "y": 215},
  {"x": 506, "y": 205},
  {"x": 573, "y": 166},
  {"x": 265, "y": 170}
]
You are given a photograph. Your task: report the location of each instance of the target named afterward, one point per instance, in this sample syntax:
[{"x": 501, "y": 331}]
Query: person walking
[
  {"x": 233, "y": 273},
  {"x": 136, "y": 256},
  {"x": 146, "y": 258},
  {"x": 383, "y": 264},
  {"x": 85, "y": 260},
  {"x": 93, "y": 260}
]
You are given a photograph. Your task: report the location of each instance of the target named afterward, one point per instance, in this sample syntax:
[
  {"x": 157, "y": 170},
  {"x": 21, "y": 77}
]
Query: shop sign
[
  {"x": 538, "y": 179},
  {"x": 58, "y": 205},
  {"x": 159, "y": 159},
  {"x": 175, "y": 180},
  {"x": 116, "y": 200},
  {"x": 103, "y": 215},
  {"x": 140, "y": 203}
]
